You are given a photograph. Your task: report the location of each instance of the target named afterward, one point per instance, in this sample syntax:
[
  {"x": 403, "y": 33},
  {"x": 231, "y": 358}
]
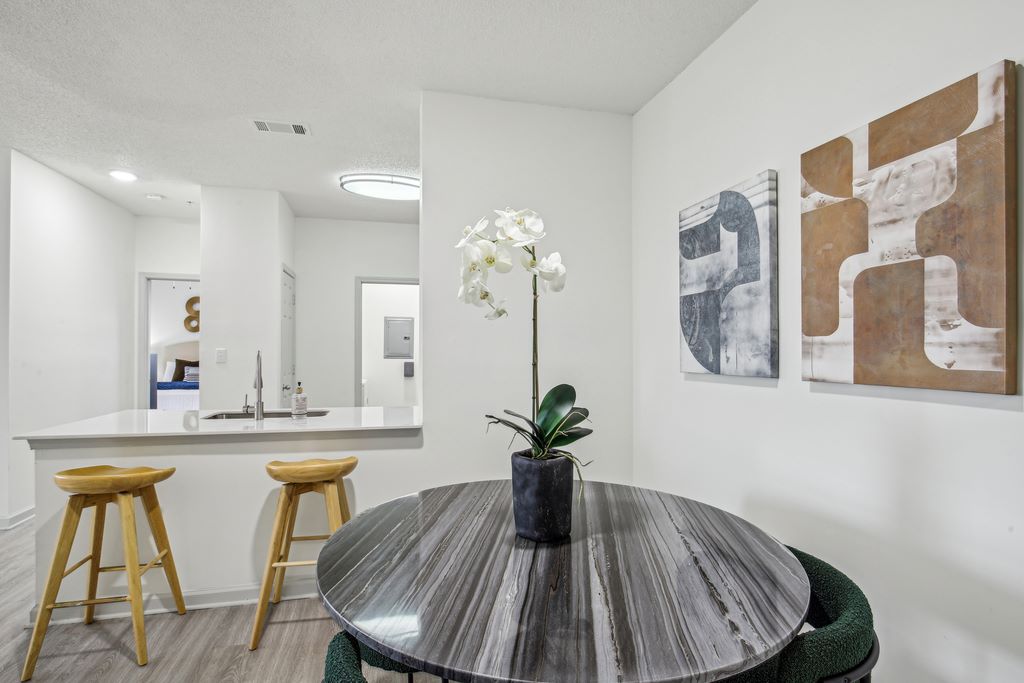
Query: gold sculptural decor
[
  {"x": 909, "y": 244},
  {"x": 192, "y": 319}
]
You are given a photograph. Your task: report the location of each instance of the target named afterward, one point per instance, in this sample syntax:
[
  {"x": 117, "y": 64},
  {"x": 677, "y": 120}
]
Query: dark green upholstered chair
[
  {"x": 842, "y": 648},
  {"x": 342, "y": 664},
  {"x": 343, "y": 661}
]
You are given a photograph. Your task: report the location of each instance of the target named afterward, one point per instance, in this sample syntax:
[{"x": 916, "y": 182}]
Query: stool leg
[
  {"x": 68, "y": 527},
  {"x": 284, "y": 500},
  {"x": 99, "y": 515},
  {"x": 126, "y": 505},
  {"x": 346, "y": 511},
  {"x": 333, "y": 502},
  {"x": 163, "y": 542},
  {"x": 286, "y": 547}
]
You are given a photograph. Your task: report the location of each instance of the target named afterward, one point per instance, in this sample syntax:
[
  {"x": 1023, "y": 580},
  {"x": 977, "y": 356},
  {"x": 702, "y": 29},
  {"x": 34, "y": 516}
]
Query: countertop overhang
[{"x": 143, "y": 424}]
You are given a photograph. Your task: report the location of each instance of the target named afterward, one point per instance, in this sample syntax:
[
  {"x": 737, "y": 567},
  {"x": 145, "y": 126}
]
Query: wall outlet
[{"x": 222, "y": 355}]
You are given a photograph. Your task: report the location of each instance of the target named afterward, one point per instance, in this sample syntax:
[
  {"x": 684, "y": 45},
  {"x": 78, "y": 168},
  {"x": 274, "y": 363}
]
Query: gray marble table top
[{"x": 651, "y": 588}]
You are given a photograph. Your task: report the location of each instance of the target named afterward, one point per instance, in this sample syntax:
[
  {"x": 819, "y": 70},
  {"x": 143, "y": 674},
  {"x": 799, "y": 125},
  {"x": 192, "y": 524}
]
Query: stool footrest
[
  {"x": 78, "y": 564},
  {"x": 295, "y": 563},
  {"x": 143, "y": 568},
  {"x": 321, "y": 537},
  {"x": 94, "y": 601}
]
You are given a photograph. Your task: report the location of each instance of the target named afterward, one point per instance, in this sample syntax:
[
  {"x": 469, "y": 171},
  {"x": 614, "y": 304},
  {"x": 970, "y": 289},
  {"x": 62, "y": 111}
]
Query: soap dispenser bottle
[{"x": 300, "y": 401}]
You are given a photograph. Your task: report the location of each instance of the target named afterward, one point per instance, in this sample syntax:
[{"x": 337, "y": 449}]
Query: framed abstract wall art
[
  {"x": 909, "y": 244},
  {"x": 728, "y": 284}
]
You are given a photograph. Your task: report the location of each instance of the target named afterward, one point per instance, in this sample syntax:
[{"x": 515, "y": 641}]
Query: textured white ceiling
[{"x": 169, "y": 89}]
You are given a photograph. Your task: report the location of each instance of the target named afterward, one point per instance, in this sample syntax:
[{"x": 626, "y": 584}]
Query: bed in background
[
  {"x": 177, "y": 395},
  {"x": 177, "y": 387}
]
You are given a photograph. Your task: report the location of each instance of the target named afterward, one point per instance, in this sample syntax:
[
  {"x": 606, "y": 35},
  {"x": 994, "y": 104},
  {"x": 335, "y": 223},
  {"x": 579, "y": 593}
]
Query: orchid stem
[{"x": 536, "y": 380}]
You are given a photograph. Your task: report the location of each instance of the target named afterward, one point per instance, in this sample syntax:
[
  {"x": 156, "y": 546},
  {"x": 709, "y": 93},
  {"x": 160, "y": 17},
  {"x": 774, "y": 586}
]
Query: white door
[{"x": 287, "y": 338}]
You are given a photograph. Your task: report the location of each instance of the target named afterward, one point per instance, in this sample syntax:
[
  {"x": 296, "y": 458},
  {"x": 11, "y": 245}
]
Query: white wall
[
  {"x": 329, "y": 255},
  {"x": 7, "y": 515},
  {"x": 245, "y": 238},
  {"x": 386, "y": 383},
  {"x": 72, "y": 340},
  {"x": 574, "y": 168},
  {"x": 166, "y": 245},
  {"x": 915, "y": 494}
]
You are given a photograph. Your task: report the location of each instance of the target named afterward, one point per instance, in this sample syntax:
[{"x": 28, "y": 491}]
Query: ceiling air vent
[{"x": 274, "y": 127}]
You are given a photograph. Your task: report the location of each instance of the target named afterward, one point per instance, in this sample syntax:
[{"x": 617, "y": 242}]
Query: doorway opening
[
  {"x": 387, "y": 342},
  {"x": 170, "y": 328}
]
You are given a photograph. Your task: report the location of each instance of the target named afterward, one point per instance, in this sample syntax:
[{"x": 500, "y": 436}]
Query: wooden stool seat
[
  {"x": 310, "y": 471},
  {"x": 316, "y": 475},
  {"x": 97, "y": 487},
  {"x": 109, "y": 479}
]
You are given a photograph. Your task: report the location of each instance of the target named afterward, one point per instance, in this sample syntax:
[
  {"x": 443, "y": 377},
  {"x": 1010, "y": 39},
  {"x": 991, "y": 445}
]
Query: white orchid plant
[
  {"x": 516, "y": 235},
  {"x": 515, "y": 238}
]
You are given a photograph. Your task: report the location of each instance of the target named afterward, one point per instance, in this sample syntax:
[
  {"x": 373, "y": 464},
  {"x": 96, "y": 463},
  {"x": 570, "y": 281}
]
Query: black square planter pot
[{"x": 542, "y": 497}]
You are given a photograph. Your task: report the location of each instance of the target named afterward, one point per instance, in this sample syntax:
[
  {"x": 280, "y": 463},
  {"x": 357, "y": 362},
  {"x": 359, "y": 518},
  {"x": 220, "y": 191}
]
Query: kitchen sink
[{"x": 267, "y": 414}]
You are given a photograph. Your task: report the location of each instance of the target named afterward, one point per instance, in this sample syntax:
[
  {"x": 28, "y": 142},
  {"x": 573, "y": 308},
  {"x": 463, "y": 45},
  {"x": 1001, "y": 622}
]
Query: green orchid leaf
[
  {"x": 570, "y": 435},
  {"x": 556, "y": 405},
  {"x": 526, "y": 433},
  {"x": 575, "y": 417},
  {"x": 533, "y": 425}
]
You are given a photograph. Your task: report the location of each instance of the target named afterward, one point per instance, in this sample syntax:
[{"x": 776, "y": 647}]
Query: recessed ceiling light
[
  {"x": 124, "y": 176},
  {"x": 155, "y": 197},
  {"x": 382, "y": 186}
]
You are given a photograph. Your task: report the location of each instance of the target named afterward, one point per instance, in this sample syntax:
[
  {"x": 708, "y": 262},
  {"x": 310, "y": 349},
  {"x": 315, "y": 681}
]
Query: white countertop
[{"x": 176, "y": 423}]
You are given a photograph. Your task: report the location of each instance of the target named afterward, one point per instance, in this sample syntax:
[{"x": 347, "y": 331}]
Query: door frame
[
  {"x": 358, "y": 327},
  {"x": 142, "y": 332}
]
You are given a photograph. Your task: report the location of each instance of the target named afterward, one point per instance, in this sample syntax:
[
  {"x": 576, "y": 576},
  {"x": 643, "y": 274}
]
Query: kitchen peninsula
[{"x": 218, "y": 506}]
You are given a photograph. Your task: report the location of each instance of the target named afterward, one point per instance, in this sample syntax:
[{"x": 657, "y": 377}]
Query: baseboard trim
[
  {"x": 161, "y": 603},
  {"x": 17, "y": 519}
]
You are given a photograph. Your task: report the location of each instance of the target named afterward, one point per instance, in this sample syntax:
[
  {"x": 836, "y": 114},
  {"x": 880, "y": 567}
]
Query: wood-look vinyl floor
[{"x": 203, "y": 645}]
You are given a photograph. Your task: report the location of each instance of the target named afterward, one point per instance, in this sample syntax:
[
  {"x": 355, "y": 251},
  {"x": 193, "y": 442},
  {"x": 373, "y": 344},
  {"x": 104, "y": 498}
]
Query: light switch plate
[{"x": 222, "y": 355}]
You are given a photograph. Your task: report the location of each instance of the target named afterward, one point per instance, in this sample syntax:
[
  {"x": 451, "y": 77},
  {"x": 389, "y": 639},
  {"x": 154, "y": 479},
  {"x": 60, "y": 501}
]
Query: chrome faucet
[{"x": 258, "y": 386}]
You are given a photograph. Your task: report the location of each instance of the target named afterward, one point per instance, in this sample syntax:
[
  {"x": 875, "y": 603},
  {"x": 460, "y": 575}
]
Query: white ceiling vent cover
[{"x": 274, "y": 127}]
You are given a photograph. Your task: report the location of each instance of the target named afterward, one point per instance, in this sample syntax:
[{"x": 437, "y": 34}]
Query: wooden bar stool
[
  {"x": 95, "y": 487},
  {"x": 306, "y": 476}
]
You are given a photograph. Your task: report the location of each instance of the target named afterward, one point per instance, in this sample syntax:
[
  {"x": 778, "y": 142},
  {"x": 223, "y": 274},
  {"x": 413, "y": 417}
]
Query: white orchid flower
[
  {"x": 498, "y": 311},
  {"x": 474, "y": 265},
  {"x": 476, "y": 293},
  {"x": 552, "y": 271},
  {"x": 494, "y": 256},
  {"x": 529, "y": 262},
  {"x": 471, "y": 233},
  {"x": 520, "y": 228},
  {"x": 516, "y": 233}
]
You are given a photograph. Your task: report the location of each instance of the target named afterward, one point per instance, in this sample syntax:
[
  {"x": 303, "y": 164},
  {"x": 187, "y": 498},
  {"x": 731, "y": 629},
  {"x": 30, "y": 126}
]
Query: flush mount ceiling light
[
  {"x": 124, "y": 176},
  {"x": 155, "y": 197},
  {"x": 382, "y": 186}
]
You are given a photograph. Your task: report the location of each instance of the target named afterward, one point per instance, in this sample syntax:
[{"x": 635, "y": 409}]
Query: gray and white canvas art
[{"x": 728, "y": 282}]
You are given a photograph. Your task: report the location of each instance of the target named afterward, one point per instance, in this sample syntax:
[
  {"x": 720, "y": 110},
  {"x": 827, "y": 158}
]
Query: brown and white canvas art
[{"x": 909, "y": 244}]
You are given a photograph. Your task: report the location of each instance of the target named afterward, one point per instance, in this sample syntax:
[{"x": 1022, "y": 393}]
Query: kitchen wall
[
  {"x": 915, "y": 494},
  {"x": 72, "y": 339},
  {"x": 245, "y": 238},
  {"x": 329, "y": 255}
]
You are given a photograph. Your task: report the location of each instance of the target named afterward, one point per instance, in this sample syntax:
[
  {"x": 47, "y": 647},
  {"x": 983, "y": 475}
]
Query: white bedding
[{"x": 177, "y": 399}]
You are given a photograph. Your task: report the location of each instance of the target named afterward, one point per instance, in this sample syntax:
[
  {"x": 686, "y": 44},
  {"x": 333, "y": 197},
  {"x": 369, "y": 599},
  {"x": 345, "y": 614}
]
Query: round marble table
[{"x": 652, "y": 587}]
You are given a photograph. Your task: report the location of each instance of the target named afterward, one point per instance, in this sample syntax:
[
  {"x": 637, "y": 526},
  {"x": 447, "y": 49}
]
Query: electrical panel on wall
[{"x": 398, "y": 337}]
